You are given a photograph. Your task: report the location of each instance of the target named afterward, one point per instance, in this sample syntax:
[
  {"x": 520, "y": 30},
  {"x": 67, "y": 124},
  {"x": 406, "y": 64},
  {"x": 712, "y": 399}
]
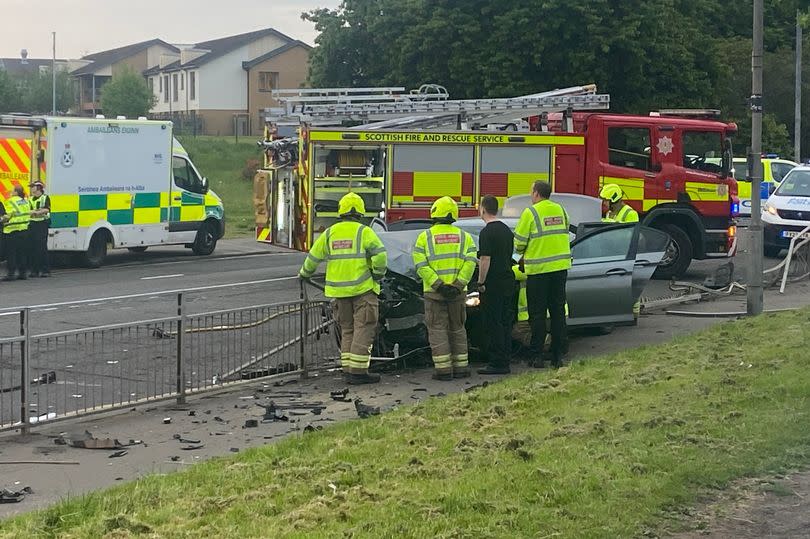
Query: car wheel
[
  {"x": 772, "y": 251},
  {"x": 678, "y": 254},
  {"x": 206, "y": 240},
  {"x": 97, "y": 251},
  {"x": 140, "y": 249}
]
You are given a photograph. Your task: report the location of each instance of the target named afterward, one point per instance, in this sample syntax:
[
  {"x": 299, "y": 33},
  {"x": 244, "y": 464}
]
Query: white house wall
[{"x": 222, "y": 83}]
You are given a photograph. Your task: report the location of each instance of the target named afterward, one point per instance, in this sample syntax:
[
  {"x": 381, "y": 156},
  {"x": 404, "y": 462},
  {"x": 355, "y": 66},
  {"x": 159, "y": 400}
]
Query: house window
[
  {"x": 268, "y": 80},
  {"x": 182, "y": 81},
  {"x": 175, "y": 96},
  {"x": 152, "y": 84},
  {"x": 160, "y": 84},
  {"x": 192, "y": 85},
  {"x": 166, "y": 90}
]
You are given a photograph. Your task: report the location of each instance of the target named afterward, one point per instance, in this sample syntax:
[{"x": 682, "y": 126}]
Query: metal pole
[
  {"x": 755, "y": 299},
  {"x": 53, "y": 77},
  {"x": 181, "y": 370},
  {"x": 797, "y": 123},
  {"x": 304, "y": 330},
  {"x": 25, "y": 378}
]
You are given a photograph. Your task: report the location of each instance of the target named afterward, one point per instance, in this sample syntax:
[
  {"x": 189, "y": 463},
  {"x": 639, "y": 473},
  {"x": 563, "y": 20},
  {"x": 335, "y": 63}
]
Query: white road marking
[
  {"x": 45, "y": 310},
  {"x": 7, "y": 311},
  {"x": 172, "y": 276}
]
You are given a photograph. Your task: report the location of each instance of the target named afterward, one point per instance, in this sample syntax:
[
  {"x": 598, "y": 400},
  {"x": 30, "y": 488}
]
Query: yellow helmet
[
  {"x": 443, "y": 208},
  {"x": 611, "y": 192},
  {"x": 351, "y": 203}
]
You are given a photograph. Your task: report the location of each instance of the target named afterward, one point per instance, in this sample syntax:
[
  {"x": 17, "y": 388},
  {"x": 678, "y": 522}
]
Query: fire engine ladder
[{"x": 384, "y": 108}]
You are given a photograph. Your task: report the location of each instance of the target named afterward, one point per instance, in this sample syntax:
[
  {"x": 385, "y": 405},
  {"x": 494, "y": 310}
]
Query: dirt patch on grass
[{"x": 776, "y": 508}]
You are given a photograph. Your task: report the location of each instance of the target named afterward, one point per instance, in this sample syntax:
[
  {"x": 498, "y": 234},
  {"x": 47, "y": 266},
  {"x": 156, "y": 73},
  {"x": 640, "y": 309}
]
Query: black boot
[
  {"x": 365, "y": 378},
  {"x": 442, "y": 376},
  {"x": 461, "y": 373}
]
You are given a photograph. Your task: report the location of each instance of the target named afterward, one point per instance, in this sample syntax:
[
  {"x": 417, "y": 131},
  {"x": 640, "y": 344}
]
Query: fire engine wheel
[
  {"x": 678, "y": 254},
  {"x": 206, "y": 240}
]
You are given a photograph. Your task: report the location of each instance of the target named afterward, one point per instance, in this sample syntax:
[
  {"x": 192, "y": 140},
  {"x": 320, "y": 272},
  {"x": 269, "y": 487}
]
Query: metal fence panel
[{"x": 78, "y": 372}]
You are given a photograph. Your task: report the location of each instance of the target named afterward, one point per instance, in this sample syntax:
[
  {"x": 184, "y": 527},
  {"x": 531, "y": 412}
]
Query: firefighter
[
  {"x": 15, "y": 231},
  {"x": 617, "y": 210},
  {"x": 541, "y": 237},
  {"x": 355, "y": 263},
  {"x": 38, "y": 231},
  {"x": 445, "y": 260}
]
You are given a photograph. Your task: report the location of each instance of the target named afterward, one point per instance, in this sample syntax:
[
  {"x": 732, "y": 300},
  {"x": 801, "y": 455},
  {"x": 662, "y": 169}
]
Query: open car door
[
  {"x": 652, "y": 247},
  {"x": 600, "y": 282}
]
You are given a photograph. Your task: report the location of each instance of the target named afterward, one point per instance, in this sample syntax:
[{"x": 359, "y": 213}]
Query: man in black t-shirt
[{"x": 496, "y": 283}]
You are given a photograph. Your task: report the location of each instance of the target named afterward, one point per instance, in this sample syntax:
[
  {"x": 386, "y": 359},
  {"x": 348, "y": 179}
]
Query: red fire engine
[{"x": 674, "y": 170}]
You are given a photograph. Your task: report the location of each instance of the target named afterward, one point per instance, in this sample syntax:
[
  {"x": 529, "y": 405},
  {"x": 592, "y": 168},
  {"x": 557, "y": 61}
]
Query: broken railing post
[
  {"x": 181, "y": 370},
  {"x": 303, "y": 324},
  {"x": 25, "y": 379}
]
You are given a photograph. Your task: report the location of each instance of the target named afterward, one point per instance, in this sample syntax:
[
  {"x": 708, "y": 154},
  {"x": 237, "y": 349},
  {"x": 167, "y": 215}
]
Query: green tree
[
  {"x": 37, "y": 92},
  {"x": 9, "y": 93},
  {"x": 127, "y": 94}
]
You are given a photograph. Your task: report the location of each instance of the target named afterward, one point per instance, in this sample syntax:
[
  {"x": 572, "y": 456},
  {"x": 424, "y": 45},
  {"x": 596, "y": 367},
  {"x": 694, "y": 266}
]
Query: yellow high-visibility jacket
[
  {"x": 542, "y": 237},
  {"x": 355, "y": 259},
  {"x": 444, "y": 254}
]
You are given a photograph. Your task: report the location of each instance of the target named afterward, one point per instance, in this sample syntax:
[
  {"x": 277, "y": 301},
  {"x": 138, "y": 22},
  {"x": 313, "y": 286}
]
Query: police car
[
  {"x": 787, "y": 212},
  {"x": 774, "y": 171}
]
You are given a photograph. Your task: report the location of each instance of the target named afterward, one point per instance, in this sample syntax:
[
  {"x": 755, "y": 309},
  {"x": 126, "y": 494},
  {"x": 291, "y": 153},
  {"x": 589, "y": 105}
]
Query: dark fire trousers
[
  {"x": 16, "y": 247},
  {"x": 546, "y": 292}
]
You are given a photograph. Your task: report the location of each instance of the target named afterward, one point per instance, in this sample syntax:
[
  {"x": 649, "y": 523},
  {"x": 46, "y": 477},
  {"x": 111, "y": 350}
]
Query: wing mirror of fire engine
[{"x": 727, "y": 158}]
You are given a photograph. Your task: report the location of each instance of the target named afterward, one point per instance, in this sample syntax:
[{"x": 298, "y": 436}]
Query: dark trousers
[
  {"x": 16, "y": 245},
  {"x": 498, "y": 312},
  {"x": 546, "y": 293},
  {"x": 38, "y": 237}
]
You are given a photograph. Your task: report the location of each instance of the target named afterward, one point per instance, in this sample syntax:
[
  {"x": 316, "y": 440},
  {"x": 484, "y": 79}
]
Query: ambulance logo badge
[
  {"x": 67, "y": 158},
  {"x": 664, "y": 145}
]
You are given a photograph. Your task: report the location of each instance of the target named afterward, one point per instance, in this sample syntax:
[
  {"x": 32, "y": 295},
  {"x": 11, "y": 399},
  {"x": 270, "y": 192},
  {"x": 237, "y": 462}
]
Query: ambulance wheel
[
  {"x": 206, "y": 240},
  {"x": 97, "y": 251},
  {"x": 678, "y": 254},
  {"x": 139, "y": 249}
]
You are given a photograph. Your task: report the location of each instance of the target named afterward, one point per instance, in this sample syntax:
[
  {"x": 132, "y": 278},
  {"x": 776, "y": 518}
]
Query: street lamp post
[{"x": 755, "y": 299}]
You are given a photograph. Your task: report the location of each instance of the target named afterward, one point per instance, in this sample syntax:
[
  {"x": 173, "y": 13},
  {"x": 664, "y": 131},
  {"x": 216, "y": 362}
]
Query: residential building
[
  {"x": 219, "y": 87},
  {"x": 99, "y": 68},
  {"x": 17, "y": 67}
]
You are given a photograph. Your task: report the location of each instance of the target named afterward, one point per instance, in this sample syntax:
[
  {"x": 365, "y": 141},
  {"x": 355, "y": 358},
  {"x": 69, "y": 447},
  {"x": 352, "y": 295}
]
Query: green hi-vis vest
[
  {"x": 355, "y": 260},
  {"x": 542, "y": 237},
  {"x": 625, "y": 215},
  {"x": 19, "y": 211},
  {"x": 444, "y": 254},
  {"x": 38, "y": 204}
]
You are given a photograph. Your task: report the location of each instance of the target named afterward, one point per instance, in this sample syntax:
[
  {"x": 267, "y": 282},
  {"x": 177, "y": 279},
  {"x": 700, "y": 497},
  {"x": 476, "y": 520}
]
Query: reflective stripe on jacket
[
  {"x": 38, "y": 204},
  {"x": 542, "y": 237},
  {"x": 625, "y": 215},
  {"x": 523, "y": 302},
  {"x": 19, "y": 215},
  {"x": 355, "y": 260},
  {"x": 444, "y": 254}
]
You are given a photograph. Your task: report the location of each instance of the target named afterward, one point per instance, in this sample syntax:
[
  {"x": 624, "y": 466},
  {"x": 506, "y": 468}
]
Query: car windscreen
[{"x": 795, "y": 184}]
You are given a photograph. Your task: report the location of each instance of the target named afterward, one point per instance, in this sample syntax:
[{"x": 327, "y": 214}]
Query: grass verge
[
  {"x": 609, "y": 447},
  {"x": 222, "y": 160}
]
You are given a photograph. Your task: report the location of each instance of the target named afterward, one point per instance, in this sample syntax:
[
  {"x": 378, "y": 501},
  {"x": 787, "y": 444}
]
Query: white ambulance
[{"x": 112, "y": 183}]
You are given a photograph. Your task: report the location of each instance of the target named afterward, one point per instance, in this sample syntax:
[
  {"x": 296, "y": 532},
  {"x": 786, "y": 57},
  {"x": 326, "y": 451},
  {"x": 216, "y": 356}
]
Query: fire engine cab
[{"x": 408, "y": 151}]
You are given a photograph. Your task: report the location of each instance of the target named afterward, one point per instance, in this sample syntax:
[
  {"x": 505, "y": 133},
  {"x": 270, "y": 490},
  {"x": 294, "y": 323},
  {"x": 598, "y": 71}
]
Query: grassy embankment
[
  {"x": 222, "y": 160},
  {"x": 609, "y": 447}
]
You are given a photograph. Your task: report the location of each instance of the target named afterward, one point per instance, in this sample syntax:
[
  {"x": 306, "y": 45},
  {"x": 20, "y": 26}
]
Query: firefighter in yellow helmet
[
  {"x": 355, "y": 263},
  {"x": 445, "y": 259},
  {"x": 617, "y": 210}
]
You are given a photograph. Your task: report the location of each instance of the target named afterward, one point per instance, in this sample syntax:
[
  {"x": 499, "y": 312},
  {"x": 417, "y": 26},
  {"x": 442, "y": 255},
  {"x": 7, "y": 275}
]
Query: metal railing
[{"x": 52, "y": 376}]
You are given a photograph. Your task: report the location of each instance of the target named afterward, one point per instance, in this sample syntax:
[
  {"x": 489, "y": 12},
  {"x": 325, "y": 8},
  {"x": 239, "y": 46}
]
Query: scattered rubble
[
  {"x": 364, "y": 410},
  {"x": 14, "y": 496}
]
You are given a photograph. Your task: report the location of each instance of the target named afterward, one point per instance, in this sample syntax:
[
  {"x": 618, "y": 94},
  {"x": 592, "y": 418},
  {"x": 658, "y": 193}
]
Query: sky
[{"x": 87, "y": 26}]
